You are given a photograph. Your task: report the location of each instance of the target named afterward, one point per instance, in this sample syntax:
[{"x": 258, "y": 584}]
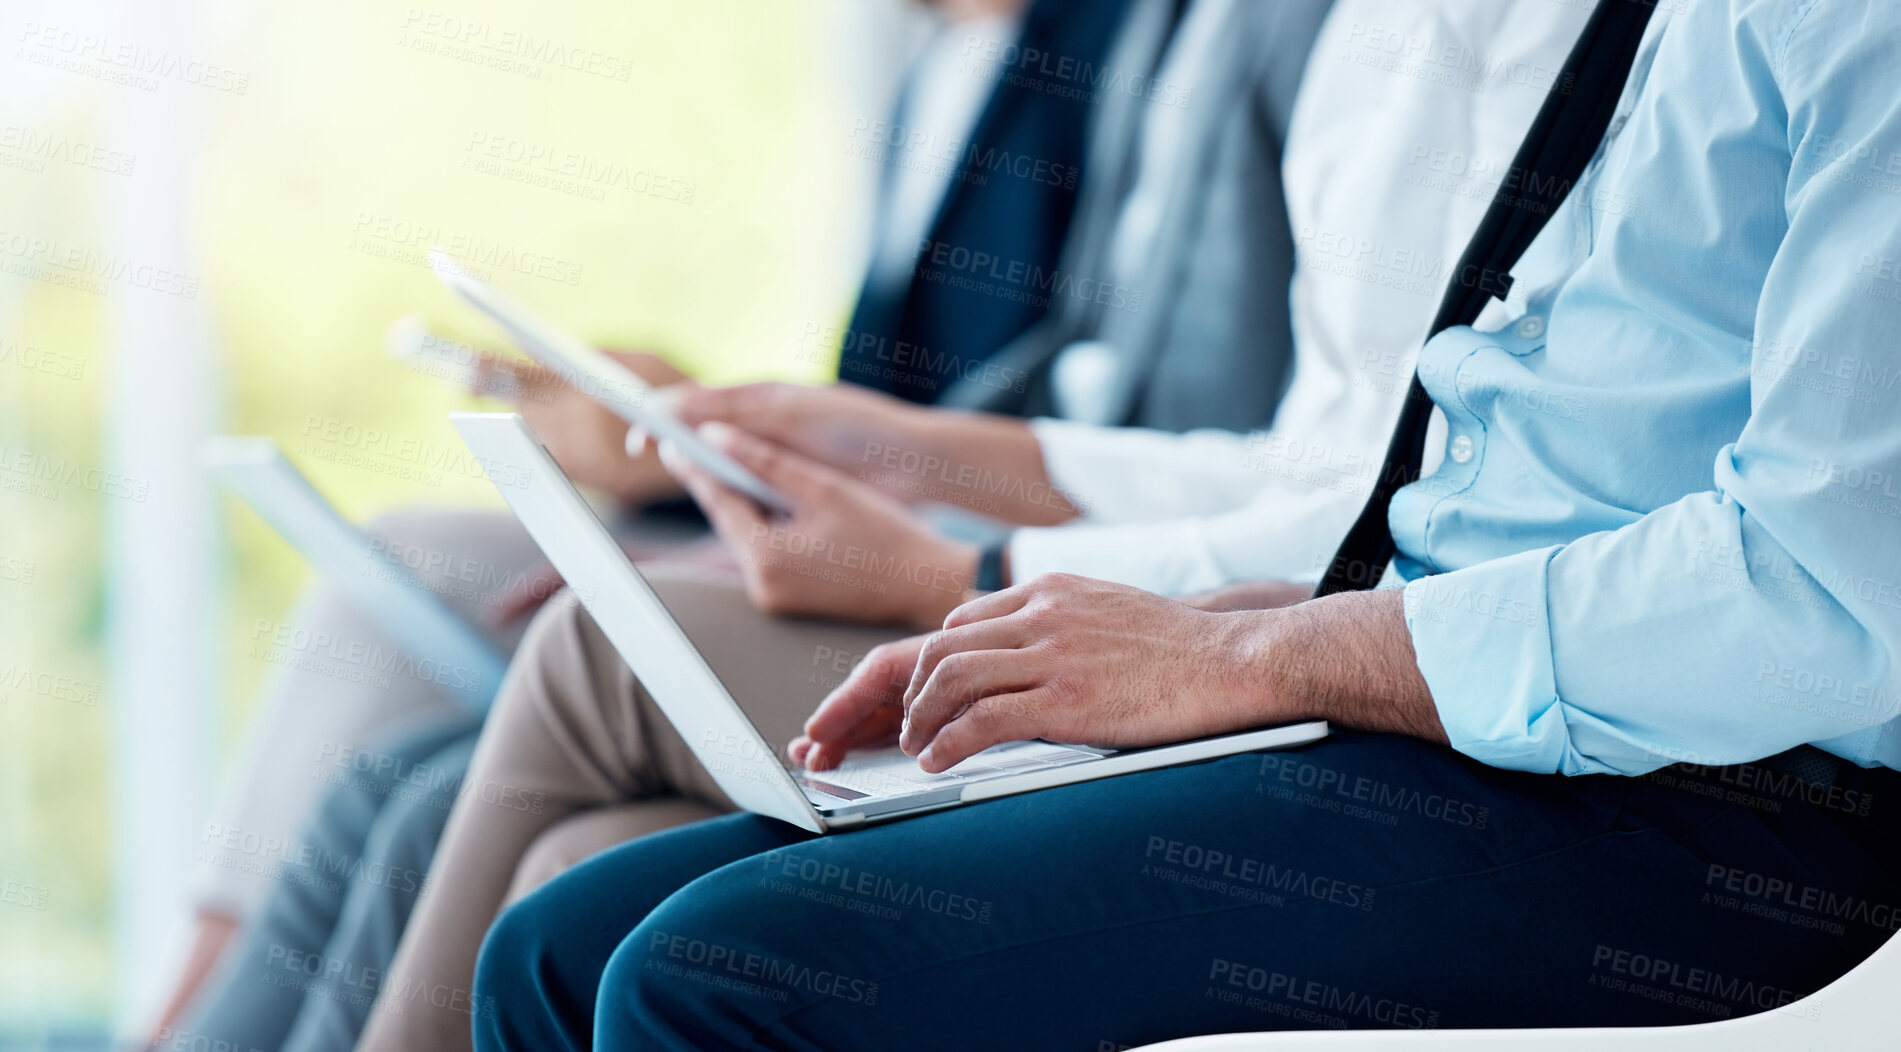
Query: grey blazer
[{"x": 1209, "y": 343}]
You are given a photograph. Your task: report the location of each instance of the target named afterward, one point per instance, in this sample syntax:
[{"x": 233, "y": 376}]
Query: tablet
[
  {"x": 447, "y": 649},
  {"x": 601, "y": 378}
]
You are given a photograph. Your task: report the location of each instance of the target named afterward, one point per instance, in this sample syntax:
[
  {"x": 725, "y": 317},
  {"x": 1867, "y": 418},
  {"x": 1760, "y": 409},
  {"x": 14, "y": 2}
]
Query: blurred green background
[{"x": 707, "y": 216}]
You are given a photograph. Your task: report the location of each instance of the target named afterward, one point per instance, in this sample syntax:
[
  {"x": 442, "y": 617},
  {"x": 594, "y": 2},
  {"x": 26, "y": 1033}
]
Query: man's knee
[
  {"x": 696, "y": 965},
  {"x": 512, "y": 965},
  {"x": 656, "y": 986},
  {"x": 725, "y": 958}
]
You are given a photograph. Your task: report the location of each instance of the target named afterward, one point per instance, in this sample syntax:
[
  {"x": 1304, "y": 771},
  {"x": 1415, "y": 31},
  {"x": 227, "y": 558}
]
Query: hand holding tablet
[{"x": 603, "y": 379}]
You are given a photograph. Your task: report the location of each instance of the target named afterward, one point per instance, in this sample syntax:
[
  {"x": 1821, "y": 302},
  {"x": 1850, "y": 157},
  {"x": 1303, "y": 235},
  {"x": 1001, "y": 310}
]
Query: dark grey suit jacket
[{"x": 1209, "y": 343}]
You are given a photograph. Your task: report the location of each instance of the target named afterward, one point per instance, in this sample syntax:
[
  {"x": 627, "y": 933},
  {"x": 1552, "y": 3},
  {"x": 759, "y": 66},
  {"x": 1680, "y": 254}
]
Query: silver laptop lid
[{"x": 633, "y": 617}]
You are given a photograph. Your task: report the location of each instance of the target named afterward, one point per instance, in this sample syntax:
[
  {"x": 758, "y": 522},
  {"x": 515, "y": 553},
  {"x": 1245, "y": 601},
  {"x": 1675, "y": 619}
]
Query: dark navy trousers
[{"x": 1362, "y": 882}]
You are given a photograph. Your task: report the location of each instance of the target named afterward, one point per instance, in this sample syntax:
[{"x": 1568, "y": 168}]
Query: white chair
[{"x": 1853, "y": 1012}]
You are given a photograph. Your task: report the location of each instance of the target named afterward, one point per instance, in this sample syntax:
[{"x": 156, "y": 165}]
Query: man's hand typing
[
  {"x": 864, "y": 712},
  {"x": 1078, "y": 660}
]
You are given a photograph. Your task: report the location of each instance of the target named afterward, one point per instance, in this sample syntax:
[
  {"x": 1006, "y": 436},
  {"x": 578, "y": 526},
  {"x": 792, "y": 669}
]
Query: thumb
[{"x": 665, "y": 399}]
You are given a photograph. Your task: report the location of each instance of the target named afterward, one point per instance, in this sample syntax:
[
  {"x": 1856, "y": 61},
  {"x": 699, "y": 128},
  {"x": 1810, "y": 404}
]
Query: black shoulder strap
[{"x": 1562, "y": 141}]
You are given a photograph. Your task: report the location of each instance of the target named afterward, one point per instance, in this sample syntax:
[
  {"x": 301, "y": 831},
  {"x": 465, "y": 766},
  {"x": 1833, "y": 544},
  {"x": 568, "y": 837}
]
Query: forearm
[
  {"x": 1250, "y": 595},
  {"x": 1347, "y": 659},
  {"x": 979, "y": 461}
]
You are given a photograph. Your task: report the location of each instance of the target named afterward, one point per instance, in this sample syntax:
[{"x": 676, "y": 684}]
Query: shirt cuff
[
  {"x": 1165, "y": 558},
  {"x": 1482, "y": 640},
  {"x": 1133, "y": 474},
  {"x": 1071, "y": 460}
]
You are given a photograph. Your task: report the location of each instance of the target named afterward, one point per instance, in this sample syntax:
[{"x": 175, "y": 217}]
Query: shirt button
[
  {"x": 1461, "y": 450},
  {"x": 1531, "y": 327}
]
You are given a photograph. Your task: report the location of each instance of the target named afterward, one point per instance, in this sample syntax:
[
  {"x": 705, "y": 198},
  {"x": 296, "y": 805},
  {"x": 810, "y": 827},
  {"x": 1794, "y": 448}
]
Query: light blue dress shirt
[{"x": 1668, "y": 523}]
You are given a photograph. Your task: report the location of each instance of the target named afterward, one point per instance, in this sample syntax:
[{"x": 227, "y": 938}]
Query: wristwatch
[{"x": 990, "y": 567}]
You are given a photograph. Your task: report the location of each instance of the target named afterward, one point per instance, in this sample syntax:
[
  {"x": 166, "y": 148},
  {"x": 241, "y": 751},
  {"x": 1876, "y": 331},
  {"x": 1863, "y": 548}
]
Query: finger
[
  {"x": 487, "y": 379},
  {"x": 876, "y": 682},
  {"x": 812, "y": 756},
  {"x": 777, "y": 466},
  {"x": 992, "y": 721},
  {"x": 668, "y": 398},
  {"x": 880, "y": 731},
  {"x": 700, "y": 405},
  {"x": 960, "y": 681},
  {"x": 508, "y": 379},
  {"x": 735, "y": 517},
  {"x": 997, "y": 634},
  {"x": 996, "y": 604},
  {"x": 663, "y": 399}
]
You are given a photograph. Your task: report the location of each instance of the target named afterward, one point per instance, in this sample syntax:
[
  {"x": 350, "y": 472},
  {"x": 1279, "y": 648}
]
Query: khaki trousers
[{"x": 575, "y": 758}]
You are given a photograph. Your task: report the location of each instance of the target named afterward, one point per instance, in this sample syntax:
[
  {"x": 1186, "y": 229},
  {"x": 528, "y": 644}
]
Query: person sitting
[
  {"x": 311, "y": 715},
  {"x": 577, "y": 735},
  {"x": 1575, "y": 712},
  {"x": 1241, "y": 119}
]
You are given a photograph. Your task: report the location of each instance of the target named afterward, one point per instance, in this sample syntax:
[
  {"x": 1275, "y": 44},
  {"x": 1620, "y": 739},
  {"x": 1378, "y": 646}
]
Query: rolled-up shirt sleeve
[{"x": 1765, "y": 613}]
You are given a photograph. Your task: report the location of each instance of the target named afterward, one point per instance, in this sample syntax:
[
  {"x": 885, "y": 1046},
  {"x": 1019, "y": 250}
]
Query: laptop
[
  {"x": 875, "y": 786},
  {"x": 256, "y": 471}
]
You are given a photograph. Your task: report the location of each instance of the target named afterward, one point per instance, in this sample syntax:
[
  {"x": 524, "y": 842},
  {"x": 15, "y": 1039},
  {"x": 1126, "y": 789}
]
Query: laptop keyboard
[{"x": 889, "y": 772}]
